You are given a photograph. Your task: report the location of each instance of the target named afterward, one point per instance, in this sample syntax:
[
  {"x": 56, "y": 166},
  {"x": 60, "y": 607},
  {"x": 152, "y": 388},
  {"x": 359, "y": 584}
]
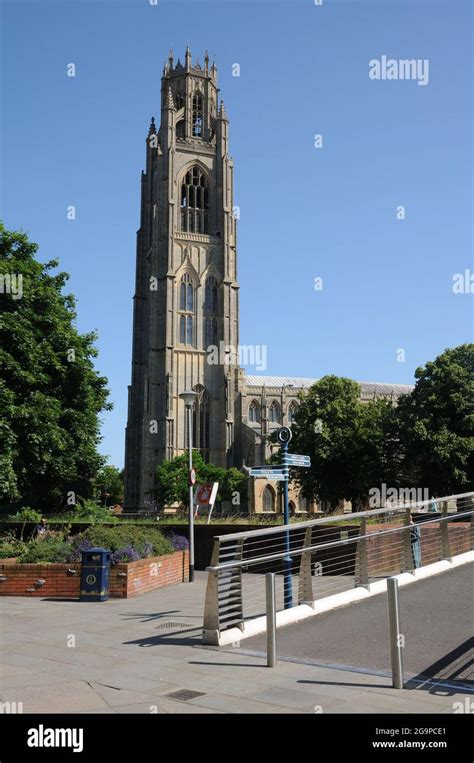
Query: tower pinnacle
[
  {"x": 187, "y": 57},
  {"x": 169, "y": 100}
]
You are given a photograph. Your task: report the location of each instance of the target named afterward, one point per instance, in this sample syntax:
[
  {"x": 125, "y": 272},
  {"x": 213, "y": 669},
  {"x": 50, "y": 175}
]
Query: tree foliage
[
  {"x": 172, "y": 480},
  {"x": 436, "y": 422},
  {"x": 50, "y": 393},
  {"x": 347, "y": 440},
  {"x": 109, "y": 485},
  {"x": 425, "y": 441}
]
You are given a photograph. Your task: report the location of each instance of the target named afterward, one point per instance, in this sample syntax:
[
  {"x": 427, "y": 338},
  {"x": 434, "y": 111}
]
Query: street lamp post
[{"x": 189, "y": 397}]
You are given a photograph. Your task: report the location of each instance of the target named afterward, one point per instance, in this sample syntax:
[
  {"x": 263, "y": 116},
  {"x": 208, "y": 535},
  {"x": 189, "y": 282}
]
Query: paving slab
[
  {"x": 71, "y": 697},
  {"x": 167, "y": 708},
  {"x": 115, "y": 697},
  {"x": 230, "y": 704}
]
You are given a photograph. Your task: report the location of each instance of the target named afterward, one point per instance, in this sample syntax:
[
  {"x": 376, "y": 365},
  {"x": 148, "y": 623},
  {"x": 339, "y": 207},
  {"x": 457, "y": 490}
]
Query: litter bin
[{"x": 95, "y": 574}]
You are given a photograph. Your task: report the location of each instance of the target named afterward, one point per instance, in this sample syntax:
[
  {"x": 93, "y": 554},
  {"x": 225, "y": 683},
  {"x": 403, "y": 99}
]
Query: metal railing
[{"x": 329, "y": 556}]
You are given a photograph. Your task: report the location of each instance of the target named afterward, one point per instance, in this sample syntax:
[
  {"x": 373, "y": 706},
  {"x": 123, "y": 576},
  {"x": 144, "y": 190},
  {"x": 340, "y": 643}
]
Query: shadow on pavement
[
  {"x": 172, "y": 639},
  {"x": 147, "y": 616},
  {"x": 455, "y": 669}
]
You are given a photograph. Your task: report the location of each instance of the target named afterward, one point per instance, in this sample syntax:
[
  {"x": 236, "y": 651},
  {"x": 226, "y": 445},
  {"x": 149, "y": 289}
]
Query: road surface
[{"x": 436, "y": 617}]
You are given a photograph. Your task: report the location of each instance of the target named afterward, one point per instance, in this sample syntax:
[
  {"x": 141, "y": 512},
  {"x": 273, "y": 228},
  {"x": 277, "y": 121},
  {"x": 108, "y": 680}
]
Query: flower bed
[
  {"x": 63, "y": 580},
  {"x": 49, "y": 564}
]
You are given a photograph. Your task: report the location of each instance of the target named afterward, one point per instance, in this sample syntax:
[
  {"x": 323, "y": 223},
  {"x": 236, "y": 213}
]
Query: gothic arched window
[
  {"x": 292, "y": 409},
  {"x": 201, "y": 421},
  {"x": 274, "y": 412},
  {"x": 268, "y": 499},
  {"x": 186, "y": 329},
  {"x": 194, "y": 202},
  {"x": 210, "y": 302},
  {"x": 186, "y": 293},
  {"x": 181, "y": 129},
  {"x": 210, "y": 331},
  {"x": 254, "y": 412},
  {"x": 197, "y": 115},
  {"x": 186, "y": 308}
]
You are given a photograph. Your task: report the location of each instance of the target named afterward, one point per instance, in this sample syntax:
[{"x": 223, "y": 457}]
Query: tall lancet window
[
  {"x": 197, "y": 115},
  {"x": 274, "y": 413},
  {"x": 210, "y": 303},
  {"x": 186, "y": 310},
  {"x": 195, "y": 202},
  {"x": 254, "y": 412},
  {"x": 201, "y": 421},
  {"x": 210, "y": 312},
  {"x": 292, "y": 410}
]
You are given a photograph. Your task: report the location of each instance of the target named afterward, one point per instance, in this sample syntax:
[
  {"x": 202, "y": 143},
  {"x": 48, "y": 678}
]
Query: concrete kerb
[{"x": 254, "y": 626}]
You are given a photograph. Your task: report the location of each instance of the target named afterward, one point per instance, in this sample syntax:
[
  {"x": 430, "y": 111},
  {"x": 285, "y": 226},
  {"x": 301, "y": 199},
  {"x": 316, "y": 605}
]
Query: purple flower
[
  {"x": 125, "y": 554},
  {"x": 179, "y": 542},
  {"x": 77, "y": 547}
]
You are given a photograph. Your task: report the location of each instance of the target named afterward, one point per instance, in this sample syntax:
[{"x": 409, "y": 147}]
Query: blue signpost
[{"x": 280, "y": 472}]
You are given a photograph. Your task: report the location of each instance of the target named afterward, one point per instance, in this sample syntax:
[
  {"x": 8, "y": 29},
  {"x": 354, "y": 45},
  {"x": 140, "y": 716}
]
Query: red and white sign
[
  {"x": 205, "y": 495},
  {"x": 192, "y": 477}
]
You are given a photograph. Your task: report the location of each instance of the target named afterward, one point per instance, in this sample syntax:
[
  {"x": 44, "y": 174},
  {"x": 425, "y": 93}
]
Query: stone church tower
[{"x": 186, "y": 291}]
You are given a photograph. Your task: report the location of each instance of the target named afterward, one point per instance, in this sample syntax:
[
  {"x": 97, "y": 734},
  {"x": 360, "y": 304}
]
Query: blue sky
[{"x": 305, "y": 212}]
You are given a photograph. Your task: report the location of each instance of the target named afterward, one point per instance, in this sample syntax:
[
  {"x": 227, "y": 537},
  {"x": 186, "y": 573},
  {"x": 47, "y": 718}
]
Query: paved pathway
[{"x": 134, "y": 655}]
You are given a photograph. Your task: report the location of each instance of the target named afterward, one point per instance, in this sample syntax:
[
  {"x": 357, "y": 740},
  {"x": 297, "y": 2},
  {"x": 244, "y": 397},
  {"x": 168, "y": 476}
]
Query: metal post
[
  {"x": 395, "y": 635},
  {"x": 271, "y": 619},
  {"x": 191, "y": 499},
  {"x": 211, "y": 624},
  {"x": 288, "y": 585}
]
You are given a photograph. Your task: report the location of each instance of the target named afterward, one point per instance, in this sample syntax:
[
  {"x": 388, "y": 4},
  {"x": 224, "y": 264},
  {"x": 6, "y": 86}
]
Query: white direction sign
[
  {"x": 269, "y": 474},
  {"x": 293, "y": 459}
]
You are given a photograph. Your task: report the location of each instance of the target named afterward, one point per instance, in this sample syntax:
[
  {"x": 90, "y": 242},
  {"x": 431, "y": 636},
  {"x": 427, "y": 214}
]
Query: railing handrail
[
  {"x": 339, "y": 518},
  {"x": 330, "y": 544}
]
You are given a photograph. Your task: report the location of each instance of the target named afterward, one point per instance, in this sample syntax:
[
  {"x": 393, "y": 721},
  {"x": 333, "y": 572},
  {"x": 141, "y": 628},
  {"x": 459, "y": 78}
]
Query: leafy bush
[
  {"x": 26, "y": 514},
  {"x": 53, "y": 549},
  {"x": 11, "y": 547},
  {"x": 90, "y": 511},
  {"x": 127, "y": 544},
  {"x": 146, "y": 541}
]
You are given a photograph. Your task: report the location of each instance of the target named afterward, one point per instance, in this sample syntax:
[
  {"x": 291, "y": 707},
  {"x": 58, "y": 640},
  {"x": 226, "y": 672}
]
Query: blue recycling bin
[{"x": 95, "y": 574}]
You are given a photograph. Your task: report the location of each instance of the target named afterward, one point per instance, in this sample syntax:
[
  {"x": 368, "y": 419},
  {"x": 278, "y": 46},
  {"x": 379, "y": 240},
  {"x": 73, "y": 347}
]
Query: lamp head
[{"x": 189, "y": 397}]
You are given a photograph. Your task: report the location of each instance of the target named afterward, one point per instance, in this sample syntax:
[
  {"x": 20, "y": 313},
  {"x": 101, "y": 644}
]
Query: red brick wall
[
  {"x": 385, "y": 555},
  {"x": 127, "y": 579},
  {"x": 148, "y": 574}
]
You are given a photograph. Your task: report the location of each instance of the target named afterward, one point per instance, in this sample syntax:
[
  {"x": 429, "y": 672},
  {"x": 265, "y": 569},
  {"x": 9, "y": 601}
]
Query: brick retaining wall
[
  {"x": 385, "y": 555},
  {"x": 63, "y": 580}
]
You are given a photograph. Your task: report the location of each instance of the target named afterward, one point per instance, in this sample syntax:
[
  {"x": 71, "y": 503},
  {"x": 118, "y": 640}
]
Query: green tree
[
  {"x": 349, "y": 442},
  {"x": 172, "y": 480},
  {"x": 109, "y": 485},
  {"x": 50, "y": 393},
  {"x": 436, "y": 423}
]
